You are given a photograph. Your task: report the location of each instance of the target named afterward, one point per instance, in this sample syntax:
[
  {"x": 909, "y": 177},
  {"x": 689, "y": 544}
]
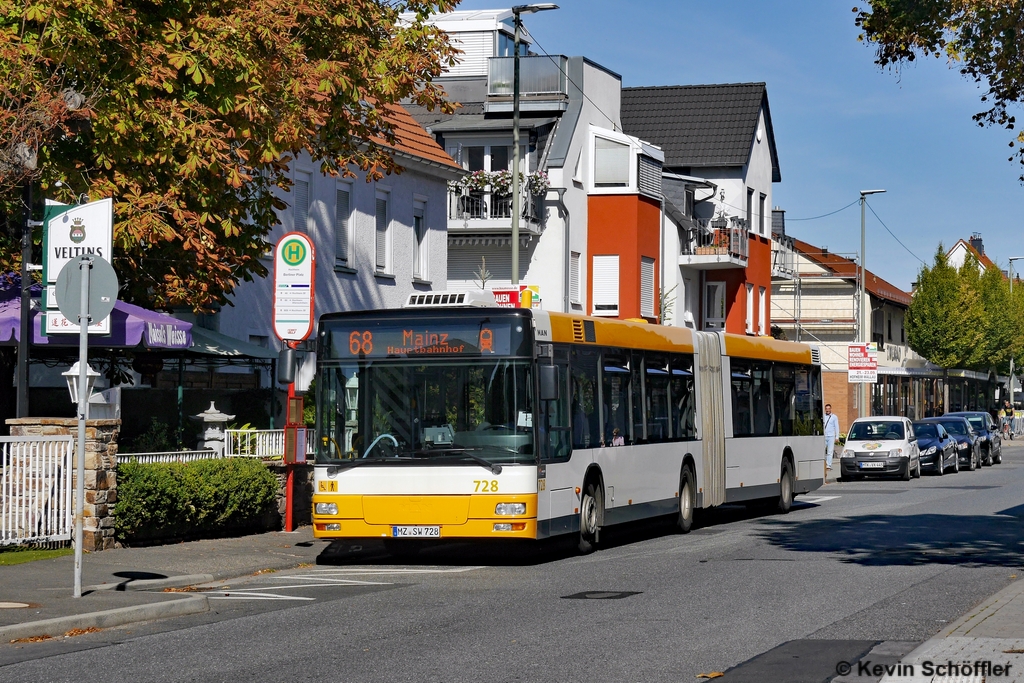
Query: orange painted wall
[
  {"x": 759, "y": 273},
  {"x": 630, "y": 226}
]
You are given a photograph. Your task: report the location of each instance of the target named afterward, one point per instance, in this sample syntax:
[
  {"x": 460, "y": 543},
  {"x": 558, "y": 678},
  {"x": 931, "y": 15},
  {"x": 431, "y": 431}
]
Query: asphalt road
[{"x": 862, "y": 569}]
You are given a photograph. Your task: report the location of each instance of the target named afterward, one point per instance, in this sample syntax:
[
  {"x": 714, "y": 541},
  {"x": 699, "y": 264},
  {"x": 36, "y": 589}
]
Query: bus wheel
[
  {"x": 786, "y": 488},
  {"x": 686, "y": 500},
  {"x": 589, "y": 514}
]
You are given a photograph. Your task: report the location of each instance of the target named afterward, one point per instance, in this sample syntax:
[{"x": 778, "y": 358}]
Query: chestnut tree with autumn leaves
[{"x": 189, "y": 114}]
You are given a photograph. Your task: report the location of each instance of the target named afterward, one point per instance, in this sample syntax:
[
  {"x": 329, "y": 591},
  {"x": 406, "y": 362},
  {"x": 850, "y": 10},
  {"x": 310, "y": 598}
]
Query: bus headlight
[
  {"x": 510, "y": 509},
  {"x": 326, "y": 508}
]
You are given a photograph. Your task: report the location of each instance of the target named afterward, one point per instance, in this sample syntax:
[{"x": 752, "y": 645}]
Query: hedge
[{"x": 195, "y": 499}]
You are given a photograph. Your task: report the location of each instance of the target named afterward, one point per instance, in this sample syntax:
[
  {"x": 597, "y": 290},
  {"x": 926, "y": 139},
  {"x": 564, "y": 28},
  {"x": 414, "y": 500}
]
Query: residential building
[
  {"x": 975, "y": 246},
  {"x": 819, "y": 306},
  {"x": 720, "y": 163},
  {"x": 589, "y": 242},
  {"x": 376, "y": 241}
]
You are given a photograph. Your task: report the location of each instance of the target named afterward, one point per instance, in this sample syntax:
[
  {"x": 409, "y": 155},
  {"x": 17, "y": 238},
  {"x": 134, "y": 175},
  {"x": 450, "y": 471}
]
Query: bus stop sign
[{"x": 294, "y": 272}]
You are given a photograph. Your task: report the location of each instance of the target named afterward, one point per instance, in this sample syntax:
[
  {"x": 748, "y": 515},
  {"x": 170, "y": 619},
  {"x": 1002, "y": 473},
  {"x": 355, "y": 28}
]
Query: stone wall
[
  {"x": 100, "y": 470},
  {"x": 302, "y": 504}
]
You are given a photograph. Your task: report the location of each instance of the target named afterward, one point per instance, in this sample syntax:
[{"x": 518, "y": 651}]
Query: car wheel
[
  {"x": 589, "y": 514},
  {"x": 956, "y": 463},
  {"x": 905, "y": 474},
  {"x": 917, "y": 470},
  {"x": 974, "y": 460},
  {"x": 940, "y": 461},
  {"x": 686, "y": 500},
  {"x": 999, "y": 456}
]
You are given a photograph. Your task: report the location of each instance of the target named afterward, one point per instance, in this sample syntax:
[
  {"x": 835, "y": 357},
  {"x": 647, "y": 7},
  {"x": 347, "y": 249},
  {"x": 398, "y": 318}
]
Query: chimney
[
  {"x": 779, "y": 222},
  {"x": 976, "y": 242}
]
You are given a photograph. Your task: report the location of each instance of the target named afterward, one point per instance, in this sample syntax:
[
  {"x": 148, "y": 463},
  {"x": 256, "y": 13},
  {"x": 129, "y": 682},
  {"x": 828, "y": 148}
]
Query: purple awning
[{"x": 130, "y": 325}]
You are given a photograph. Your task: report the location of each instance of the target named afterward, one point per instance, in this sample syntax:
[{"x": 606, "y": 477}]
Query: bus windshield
[{"x": 415, "y": 411}]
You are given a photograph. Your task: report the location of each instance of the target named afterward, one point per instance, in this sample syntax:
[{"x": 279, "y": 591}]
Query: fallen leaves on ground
[
  {"x": 713, "y": 674},
  {"x": 81, "y": 631},
  {"x": 33, "y": 639}
]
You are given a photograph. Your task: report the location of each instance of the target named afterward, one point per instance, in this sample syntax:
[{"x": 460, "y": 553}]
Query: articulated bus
[{"x": 466, "y": 422}]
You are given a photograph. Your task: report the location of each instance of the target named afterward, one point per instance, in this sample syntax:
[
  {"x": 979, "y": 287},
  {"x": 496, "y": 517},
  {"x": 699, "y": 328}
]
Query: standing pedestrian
[{"x": 831, "y": 434}]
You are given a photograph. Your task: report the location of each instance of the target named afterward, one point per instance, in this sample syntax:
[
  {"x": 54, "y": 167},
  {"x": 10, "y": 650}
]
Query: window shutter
[
  {"x": 611, "y": 163},
  {"x": 646, "y": 287},
  {"x": 382, "y": 235},
  {"x": 761, "y": 311},
  {"x": 418, "y": 236},
  {"x": 750, "y": 309},
  {"x": 301, "y": 208},
  {"x": 574, "y": 277},
  {"x": 341, "y": 217},
  {"x": 606, "y": 285}
]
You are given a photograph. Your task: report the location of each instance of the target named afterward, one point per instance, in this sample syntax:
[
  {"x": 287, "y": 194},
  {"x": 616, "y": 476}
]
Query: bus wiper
[
  {"x": 494, "y": 467},
  {"x": 356, "y": 462}
]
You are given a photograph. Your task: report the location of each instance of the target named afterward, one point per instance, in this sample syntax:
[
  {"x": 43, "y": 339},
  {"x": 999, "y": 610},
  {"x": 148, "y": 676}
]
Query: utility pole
[
  {"x": 865, "y": 306},
  {"x": 25, "y": 336}
]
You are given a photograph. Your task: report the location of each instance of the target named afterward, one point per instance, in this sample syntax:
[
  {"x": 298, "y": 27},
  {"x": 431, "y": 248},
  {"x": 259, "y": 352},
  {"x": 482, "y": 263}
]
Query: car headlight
[
  {"x": 982, "y": 438},
  {"x": 929, "y": 451},
  {"x": 510, "y": 509},
  {"x": 848, "y": 453},
  {"x": 326, "y": 508},
  {"x": 895, "y": 452},
  {"x": 962, "y": 446}
]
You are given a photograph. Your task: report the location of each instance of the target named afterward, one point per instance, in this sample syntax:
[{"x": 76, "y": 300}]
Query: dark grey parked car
[
  {"x": 938, "y": 449},
  {"x": 968, "y": 445},
  {"x": 988, "y": 435}
]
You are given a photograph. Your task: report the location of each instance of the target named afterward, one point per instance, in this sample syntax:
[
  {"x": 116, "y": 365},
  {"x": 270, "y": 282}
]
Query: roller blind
[{"x": 606, "y": 285}]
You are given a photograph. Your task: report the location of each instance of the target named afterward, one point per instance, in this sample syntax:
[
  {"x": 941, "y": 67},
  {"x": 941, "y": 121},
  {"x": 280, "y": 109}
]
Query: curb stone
[{"x": 193, "y": 604}]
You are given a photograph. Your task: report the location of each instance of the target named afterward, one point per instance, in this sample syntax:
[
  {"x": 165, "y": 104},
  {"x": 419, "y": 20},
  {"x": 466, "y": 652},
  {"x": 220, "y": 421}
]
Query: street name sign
[
  {"x": 294, "y": 291},
  {"x": 69, "y": 232},
  {"x": 863, "y": 363}
]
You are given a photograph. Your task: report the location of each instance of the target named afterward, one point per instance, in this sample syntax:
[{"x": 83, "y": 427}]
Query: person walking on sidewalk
[{"x": 831, "y": 434}]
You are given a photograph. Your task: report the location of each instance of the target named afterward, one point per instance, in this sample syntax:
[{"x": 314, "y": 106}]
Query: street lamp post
[
  {"x": 516, "y": 185},
  {"x": 1012, "y": 259},
  {"x": 865, "y": 308}
]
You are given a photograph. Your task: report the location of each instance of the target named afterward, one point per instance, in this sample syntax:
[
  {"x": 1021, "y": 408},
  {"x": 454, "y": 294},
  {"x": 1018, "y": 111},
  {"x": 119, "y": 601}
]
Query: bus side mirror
[{"x": 549, "y": 382}]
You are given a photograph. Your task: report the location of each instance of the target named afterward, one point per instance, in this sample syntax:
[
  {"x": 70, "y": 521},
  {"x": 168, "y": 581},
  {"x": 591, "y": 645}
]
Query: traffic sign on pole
[
  {"x": 102, "y": 290},
  {"x": 294, "y": 292},
  {"x": 72, "y": 231}
]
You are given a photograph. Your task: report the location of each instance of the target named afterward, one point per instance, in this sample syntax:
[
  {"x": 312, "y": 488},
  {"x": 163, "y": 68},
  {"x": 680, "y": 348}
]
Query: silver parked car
[{"x": 881, "y": 446}]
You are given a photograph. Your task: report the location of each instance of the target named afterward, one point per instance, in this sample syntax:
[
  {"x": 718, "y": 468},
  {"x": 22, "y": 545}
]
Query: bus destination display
[{"x": 429, "y": 338}]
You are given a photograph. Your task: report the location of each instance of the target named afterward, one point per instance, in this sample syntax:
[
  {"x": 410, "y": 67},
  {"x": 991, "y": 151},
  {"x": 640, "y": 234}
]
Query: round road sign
[{"x": 102, "y": 289}]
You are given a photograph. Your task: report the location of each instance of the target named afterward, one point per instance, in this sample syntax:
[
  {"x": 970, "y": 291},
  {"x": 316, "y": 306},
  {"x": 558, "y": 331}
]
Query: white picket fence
[
  {"x": 35, "y": 489},
  {"x": 262, "y": 443},
  {"x": 168, "y": 456}
]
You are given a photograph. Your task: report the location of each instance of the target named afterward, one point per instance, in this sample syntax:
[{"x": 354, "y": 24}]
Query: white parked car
[{"x": 881, "y": 446}]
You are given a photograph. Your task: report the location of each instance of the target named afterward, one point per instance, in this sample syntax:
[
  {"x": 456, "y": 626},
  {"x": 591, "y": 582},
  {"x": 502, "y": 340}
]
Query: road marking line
[
  {"x": 248, "y": 595},
  {"x": 338, "y": 582},
  {"x": 816, "y": 499},
  {"x": 357, "y": 572}
]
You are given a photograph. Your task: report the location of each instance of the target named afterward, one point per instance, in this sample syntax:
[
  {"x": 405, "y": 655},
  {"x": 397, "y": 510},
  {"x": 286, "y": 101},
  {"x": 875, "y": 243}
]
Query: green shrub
[{"x": 202, "y": 498}]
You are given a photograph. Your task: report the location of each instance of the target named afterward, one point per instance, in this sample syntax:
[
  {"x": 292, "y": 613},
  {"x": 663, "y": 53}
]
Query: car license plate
[
  {"x": 416, "y": 532},
  {"x": 872, "y": 465}
]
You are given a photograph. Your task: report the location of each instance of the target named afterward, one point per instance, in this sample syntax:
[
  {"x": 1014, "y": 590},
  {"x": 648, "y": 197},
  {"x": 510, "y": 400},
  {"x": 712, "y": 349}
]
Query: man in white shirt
[{"x": 831, "y": 434}]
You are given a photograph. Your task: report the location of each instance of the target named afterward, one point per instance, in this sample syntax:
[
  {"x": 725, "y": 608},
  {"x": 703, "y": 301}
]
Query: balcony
[
  {"x": 489, "y": 211},
  {"x": 783, "y": 258},
  {"x": 717, "y": 246},
  {"x": 543, "y": 84}
]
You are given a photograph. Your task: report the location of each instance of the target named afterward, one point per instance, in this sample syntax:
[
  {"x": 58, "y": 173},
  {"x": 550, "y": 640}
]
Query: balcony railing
[
  {"x": 541, "y": 75},
  {"x": 482, "y": 205},
  {"x": 729, "y": 241}
]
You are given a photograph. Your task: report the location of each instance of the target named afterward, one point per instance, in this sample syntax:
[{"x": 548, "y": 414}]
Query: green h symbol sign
[{"x": 293, "y": 252}]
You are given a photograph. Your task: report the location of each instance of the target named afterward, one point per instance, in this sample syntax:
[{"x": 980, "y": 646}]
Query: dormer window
[
  {"x": 611, "y": 163},
  {"x": 622, "y": 164}
]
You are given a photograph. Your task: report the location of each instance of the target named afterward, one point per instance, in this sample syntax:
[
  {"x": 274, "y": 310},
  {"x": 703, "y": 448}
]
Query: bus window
[
  {"x": 783, "y": 388},
  {"x": 742, "y": 388},
  {"x": 761, "y": 376},
  {"x": 682, "y": 398},
  {"x": 585, "y": 423},
  {"x": 637, "y": 402},
  {"x": 615, "y": 391},
  {"x": 807, "y": 401},
  {"x": 555, "y": 422},
  {"x": 656, "y": 385}
]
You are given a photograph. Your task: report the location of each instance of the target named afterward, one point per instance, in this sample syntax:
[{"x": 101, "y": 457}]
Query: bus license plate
[
  {"x": 872, "y": 465},
  {"x": 416, "y": 532}
]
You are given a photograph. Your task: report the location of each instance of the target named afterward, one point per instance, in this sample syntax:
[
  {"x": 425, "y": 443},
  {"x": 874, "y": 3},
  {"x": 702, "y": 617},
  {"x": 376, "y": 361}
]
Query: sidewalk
[
  {"x": 126, "y": 585},
  {"x": 992, "y": 632}
]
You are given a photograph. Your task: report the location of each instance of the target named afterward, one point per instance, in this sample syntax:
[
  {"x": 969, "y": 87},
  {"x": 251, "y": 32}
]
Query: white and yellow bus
[{"x": 463, "y": 422}]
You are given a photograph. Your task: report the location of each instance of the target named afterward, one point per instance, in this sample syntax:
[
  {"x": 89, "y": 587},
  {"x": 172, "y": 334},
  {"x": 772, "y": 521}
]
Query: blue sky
[{"x": 841, "y": 123}]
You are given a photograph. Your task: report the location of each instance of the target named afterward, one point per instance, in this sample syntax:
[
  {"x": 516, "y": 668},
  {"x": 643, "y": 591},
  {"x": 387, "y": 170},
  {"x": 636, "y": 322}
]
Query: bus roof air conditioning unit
[{"x": 474, "y": 298}]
